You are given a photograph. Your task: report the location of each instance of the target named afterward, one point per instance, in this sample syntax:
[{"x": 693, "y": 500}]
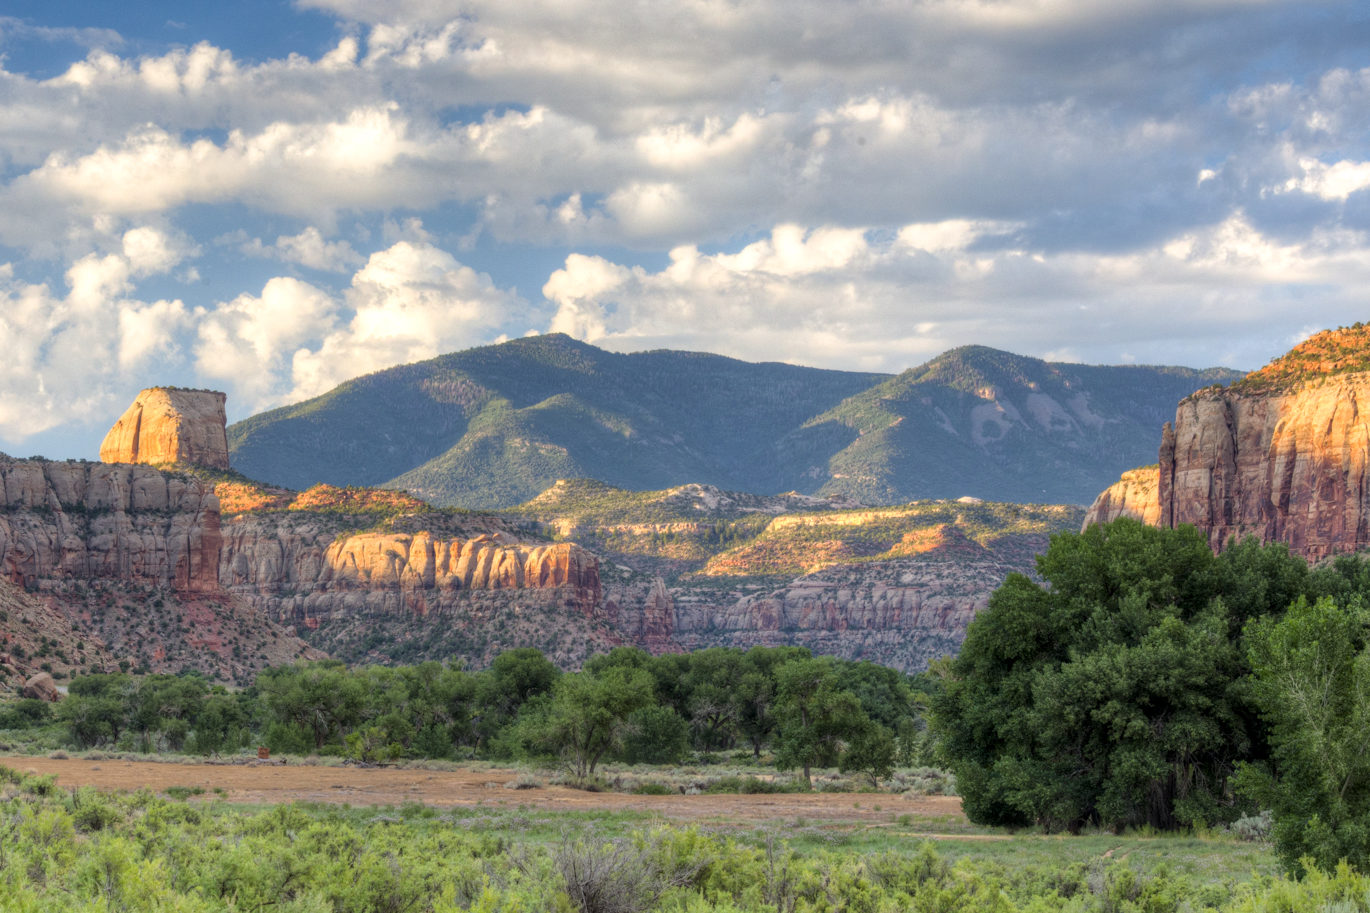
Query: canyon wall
[
  {"x": 95, "y": 520},
  {"x": 301, "y": 569},
  {"x": 902, "y": 612},
  {"x": 117, "y": 565},
  {"x": 437, "y": 587},
  {"x": 1283, "y": 464}
]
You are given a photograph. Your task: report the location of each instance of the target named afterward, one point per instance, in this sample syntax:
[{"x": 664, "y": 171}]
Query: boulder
[{"x": 42, "y": 687}]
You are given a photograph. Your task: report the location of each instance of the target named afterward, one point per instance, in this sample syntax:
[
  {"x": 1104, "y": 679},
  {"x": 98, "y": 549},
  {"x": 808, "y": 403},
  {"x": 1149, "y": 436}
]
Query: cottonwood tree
[
  {"x": 1311, "y": 673},
  {"x": 589, "y": 712},
  {"x": 816, "y": 717},
  {"x": 1112, "y": 692}
]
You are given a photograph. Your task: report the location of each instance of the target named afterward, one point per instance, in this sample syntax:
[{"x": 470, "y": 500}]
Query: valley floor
[{"x": 273, "y": 784}]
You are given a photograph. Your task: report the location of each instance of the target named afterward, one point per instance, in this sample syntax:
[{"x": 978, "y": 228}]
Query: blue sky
[{"x": 270, "y": 198}]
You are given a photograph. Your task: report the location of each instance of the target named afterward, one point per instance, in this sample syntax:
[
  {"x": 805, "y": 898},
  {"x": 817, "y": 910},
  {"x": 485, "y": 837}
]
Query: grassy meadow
[{"x": 188, "y": 850}]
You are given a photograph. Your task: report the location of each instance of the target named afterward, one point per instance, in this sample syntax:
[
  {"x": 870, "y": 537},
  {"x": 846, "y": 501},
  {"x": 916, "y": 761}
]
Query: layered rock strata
[
  {"x": 1136, "y": 495},
  {"x": 303, "y": 572},
  {"x": 1286, "y": 465},
  {"x": 93, "y": 520},
  {"x": 113, "y": 564},
  {"x": 903, "y": 612},
  {"x": 169, "y": 425}
]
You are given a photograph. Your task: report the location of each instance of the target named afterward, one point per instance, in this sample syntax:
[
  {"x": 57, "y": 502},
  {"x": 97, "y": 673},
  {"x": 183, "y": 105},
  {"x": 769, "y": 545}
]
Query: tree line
[{"x": 625, "y": 705}]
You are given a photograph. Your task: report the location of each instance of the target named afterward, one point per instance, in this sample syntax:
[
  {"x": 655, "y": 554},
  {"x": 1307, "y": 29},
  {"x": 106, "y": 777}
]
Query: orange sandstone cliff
[
  {"x": 1136, "y": 495},
  {"x": 1282, "y": 455},
  {"x": 169, "y": 425}
]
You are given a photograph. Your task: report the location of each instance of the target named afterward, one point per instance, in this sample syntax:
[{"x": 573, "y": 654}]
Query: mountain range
[{"x": 494, "y": 426}]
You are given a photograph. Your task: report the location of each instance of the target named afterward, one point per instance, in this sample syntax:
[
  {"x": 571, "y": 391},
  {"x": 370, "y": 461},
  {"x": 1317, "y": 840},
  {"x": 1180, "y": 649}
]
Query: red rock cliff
[
  {"x": 120, "y": 563},
  {"x": 1281, "y": 455},
  {"x": 301, "y": 571},
  {"x": 170, "y": 426},
  {"x": 95, "y": 520}
]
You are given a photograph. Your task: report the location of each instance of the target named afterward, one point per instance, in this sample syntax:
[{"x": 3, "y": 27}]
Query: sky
[{"x": 269, "y": 198}]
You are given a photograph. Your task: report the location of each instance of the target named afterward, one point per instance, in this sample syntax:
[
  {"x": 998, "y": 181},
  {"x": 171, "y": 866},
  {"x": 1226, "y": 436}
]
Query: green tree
[
  {"x": 588, "y": 715},
  {"x": 816, "y": 717},
  {"x": 886, "y": 694},
  {"x": 164, "y": 708},
  {"x": 714, "y": 680},
  {"x": 220, "y": 725},
  {"x": 513, "y": 679},
  {"x": 97, "y": 708},
  {"x": 655, "y": 735},
  {"x": 872, "y": 752},
  {"x": 1311, "y": 673},
  {"x": 754, "y": 698},
  {"x": 1114, "y": 692},
  {"x": 321, "y": 701}
]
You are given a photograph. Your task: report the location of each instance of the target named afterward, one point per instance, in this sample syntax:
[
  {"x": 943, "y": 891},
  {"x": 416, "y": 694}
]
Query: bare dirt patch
[{"x": 269, "y": 784}]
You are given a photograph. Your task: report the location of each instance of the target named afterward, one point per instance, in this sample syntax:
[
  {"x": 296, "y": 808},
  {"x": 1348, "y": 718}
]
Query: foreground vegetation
[{"x": 80, "y": 850}]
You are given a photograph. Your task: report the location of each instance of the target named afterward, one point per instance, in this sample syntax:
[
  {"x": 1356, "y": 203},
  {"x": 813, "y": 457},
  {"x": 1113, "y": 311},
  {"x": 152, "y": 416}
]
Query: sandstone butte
[
  {"x": 1281, "y": 455},
  {"x": 170, "y": 425}
]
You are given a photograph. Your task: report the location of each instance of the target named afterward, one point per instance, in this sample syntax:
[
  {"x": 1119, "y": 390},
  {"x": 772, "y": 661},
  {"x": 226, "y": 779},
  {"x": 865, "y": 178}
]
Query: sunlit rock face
[
  {"x": 168, "y": 425},
  {"x": 1281, "y": 454},
  {"x": 1136, "y": 495},
  {"x": 1282, "y": 466}
]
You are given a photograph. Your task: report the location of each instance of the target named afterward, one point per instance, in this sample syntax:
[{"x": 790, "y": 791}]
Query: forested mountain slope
[{"x": 494, "y": 426}]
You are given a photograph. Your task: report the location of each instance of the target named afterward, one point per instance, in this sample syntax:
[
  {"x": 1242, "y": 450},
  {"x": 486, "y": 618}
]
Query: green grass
[{"x": 84, "y": 850}]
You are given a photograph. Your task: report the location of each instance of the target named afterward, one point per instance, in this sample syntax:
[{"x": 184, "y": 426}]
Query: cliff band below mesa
[
  {"x": 94, "y": 520},
  {"x": 301, "y": 572},
  {"x": 108, "y": 565}
]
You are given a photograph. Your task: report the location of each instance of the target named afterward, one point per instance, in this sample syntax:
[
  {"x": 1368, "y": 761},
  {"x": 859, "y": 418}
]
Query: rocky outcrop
[
  {"x": 1286, "y": 465},
  {"x": 94, "y": 520},
  {"x": 645, "y": 613},
  {"x": 902, "y": 613},
  {"x": 301, "y": 571},
  {"x": 1136, "y": 495},
  {"x": 169, "y": 425}
]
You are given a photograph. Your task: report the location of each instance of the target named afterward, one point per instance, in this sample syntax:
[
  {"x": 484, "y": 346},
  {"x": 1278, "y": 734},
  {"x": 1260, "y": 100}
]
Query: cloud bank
[{"x": 1186, "y": 182}]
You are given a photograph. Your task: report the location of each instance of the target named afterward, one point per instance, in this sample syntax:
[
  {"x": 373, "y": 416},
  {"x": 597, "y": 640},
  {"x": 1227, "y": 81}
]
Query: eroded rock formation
[
  {"x": 97, "y": 520},
  {"x": 903, "y": 612},
  {"x": 303, "y": 572},
  {"x": 170, "y": 425},
  {"x": 1281, "y": 455},
  {"x": 119, "y": 562},
  {"x": 1136, "y": 495},
  {"x": 1286, "y": 465}
]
